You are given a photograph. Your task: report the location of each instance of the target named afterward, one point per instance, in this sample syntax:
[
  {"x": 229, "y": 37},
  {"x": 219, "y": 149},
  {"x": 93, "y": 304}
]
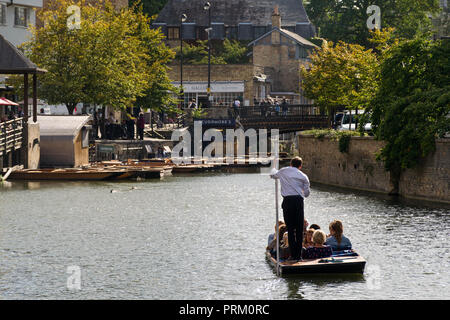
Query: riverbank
[{"x": 358, "y": 168}]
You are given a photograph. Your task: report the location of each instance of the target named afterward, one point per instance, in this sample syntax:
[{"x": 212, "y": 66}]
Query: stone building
[
  {"x": 277, "y": 52},
  {"x": 244, "y": 20}
]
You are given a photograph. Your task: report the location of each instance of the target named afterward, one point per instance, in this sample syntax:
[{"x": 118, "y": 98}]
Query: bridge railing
[
  {"x": 11, "y": 135},
  {"x": 271, "y": 111}
]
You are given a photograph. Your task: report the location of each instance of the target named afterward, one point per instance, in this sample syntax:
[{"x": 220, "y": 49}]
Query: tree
[
  {"x": 160, "y": 93},
  {"x": 343, "y": 75},
  {"x": 109, "y": 61},
  {"x": 150, "y": 7},
  {"x": 412, "y": 105},
  {"x": 346, "y": 20}
]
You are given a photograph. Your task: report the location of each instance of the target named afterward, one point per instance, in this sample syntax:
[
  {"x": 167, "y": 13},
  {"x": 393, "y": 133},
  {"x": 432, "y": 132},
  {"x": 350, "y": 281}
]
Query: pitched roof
[
  {"x": 233, "y": 12},
  {"x": 13, "y": 61},
  {"x": 292, "y": 35}
]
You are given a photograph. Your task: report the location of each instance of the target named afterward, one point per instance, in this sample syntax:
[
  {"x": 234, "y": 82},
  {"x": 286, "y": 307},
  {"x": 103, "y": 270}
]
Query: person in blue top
[{"x": 336, "y": 240}]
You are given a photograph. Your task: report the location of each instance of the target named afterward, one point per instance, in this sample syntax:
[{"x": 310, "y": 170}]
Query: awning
[{"x": 6, "y": 102}]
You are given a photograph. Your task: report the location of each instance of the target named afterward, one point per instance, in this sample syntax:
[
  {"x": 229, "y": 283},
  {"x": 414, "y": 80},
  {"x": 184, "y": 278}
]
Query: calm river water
[{"x": 203, "y": 237}]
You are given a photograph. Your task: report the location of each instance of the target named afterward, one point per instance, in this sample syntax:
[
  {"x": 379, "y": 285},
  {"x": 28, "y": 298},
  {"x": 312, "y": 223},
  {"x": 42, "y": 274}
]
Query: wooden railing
[{"x": 11, "y": 133}]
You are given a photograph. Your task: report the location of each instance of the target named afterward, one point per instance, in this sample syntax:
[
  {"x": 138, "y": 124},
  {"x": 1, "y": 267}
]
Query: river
[{"x": 203, "y": 236}]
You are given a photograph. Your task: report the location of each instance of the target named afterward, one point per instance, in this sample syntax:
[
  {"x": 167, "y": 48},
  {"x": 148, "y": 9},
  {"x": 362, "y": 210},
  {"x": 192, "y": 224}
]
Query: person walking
[
  {"x": 141, "y": 126},
  {"x": 284, "y": 107},
  {"x": 295, "y": 187}
]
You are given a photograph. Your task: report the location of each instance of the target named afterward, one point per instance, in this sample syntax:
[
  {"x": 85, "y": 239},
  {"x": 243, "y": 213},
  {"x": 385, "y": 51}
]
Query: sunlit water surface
[{"x": 203, "y": 237}]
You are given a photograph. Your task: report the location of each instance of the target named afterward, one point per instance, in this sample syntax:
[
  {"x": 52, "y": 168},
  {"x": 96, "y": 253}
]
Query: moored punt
[
  {"x": 352, "y": 263},
  {"x": 64, "y": 174},
  {"x": 188, "y": 168}
]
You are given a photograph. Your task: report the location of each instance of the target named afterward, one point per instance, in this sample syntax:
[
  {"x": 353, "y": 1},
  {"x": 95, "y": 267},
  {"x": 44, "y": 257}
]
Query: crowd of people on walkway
[
  {"x": 272, "y": 106},
  {"x": 296, "y": 241}
]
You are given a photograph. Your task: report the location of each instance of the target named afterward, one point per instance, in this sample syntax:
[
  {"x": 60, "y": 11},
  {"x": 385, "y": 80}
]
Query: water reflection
[{"x": 203, "y": 236}]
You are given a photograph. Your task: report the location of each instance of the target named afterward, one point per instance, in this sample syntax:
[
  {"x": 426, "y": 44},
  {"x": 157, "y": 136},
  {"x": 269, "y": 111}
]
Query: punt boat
[
  {"x": 66, "y": 174},
  {"x": 347, "y": 261}
]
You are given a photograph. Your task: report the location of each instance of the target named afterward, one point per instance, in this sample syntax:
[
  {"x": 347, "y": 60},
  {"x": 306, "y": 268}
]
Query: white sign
[{"x": 201, "y": 87}]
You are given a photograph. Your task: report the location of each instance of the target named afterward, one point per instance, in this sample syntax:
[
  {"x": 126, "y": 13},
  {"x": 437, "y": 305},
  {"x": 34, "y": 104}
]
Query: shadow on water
[
  {"x": 296, "y": 282},
  {"x": 388, "y": 200}
]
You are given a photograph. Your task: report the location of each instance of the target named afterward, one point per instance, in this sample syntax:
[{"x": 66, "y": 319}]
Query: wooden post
[
  {"x": 25, "y": 97},
  {"x": 25, "y": 122},
  {"x": 34, "y": 97}
]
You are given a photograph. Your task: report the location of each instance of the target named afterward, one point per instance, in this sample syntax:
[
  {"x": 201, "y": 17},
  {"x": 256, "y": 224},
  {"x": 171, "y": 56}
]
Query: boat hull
[{"x": 350, "y": 264}]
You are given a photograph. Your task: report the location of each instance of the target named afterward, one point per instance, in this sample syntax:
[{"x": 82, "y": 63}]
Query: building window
[
  {"x": 2, "y": 13},
  {"x": 21, "y": 16},
  {"x": 173, "y": 33}
]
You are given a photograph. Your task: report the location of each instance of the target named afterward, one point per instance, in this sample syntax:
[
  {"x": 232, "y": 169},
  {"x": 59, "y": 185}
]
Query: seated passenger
[
  {"x": 272, "y": 247},
  {"x": 272, "y": 235},
  {"x": 318, "y": 250},
  {"x": 337, "y": 241},
  {"x": 308, "y": 238},
  {"x": 285, "y": 252}
]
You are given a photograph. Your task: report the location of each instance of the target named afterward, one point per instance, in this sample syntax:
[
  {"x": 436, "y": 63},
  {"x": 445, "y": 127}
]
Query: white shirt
[{"x": 293, "y": 182}]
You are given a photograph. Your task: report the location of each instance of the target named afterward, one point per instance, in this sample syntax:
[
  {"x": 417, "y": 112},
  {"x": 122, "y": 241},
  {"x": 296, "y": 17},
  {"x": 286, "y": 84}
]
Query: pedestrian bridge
[{"x": 295, "y": 118}]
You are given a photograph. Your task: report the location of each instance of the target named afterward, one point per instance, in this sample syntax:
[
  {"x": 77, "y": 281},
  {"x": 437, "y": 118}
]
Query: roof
[
  {"x": 233, "y": 12},
  {"x": 62, "y": 126},
  {"x": 13, "y": 61},
  {"x": 292, "y": 35}
]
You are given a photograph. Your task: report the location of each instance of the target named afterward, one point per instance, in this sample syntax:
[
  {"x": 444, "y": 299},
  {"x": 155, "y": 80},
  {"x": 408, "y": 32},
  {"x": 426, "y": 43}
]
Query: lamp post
[
  {"x": 207, "y": 7},
  {"x": 183, "y": 18}
]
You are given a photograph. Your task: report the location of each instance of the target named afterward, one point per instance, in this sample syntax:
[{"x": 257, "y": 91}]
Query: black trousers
[{"x": 293, "y": 213}]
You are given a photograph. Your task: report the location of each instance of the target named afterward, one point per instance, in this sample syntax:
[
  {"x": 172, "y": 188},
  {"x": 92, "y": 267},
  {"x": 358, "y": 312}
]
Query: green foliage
[
  {"x": 346, "y": 20},
  {"x": 344, "y": 142},
  {"x": 340, "y": 75},
  {"x": 234, "y": 52},
  {"x": 198, "y": 113},
  {"x": 329, "y": 133},
  {"x": 226, "y": 52},
  {"x": 114, "y": 58},
  {"x": 149, "y": 7},
  {"x": 412, "y": 105}
]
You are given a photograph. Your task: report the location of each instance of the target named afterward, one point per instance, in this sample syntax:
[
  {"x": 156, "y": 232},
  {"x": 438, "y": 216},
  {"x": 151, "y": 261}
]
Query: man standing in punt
[{"x": 294, "y": 189}]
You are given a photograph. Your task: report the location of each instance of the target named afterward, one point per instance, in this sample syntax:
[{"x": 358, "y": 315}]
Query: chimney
[{"x": 276, "y": 18}]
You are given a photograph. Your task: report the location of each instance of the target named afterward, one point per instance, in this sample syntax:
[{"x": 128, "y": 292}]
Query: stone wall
[
  {"x": 358, "y": 169},
  {"x": 282, "y": 70}
]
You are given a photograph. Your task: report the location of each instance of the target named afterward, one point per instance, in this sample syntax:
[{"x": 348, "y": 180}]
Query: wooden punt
[
  {"x": 64, "y": 174},
  {"x": 187, "y": 168},
  {"x": 334, "y": 264}
]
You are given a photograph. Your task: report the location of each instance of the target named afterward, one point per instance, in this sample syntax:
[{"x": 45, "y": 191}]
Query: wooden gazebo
[{"x": 13, "y": 61}]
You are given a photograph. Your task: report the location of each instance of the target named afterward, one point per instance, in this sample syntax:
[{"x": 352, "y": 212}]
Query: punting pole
[{"x": 277, "y": 234}]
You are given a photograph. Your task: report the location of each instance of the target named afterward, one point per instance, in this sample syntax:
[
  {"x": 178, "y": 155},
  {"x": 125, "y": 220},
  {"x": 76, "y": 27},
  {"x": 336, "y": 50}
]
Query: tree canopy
[
  {"x": 111, "y": 60},
  {"x": 340, "y": 75},
  {"x": 346, "y": 20},
  {"x": 412, "y": 106},
  {"x": 150, "y": 7},
  {"x": 222, "y": 52}
]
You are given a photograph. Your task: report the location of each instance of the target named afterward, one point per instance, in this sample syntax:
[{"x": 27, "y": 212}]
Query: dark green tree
[
  {"x": 150, "y": 7},
  {"x": 346, "y": 20},
  {"x": 412, "y": 106}
]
